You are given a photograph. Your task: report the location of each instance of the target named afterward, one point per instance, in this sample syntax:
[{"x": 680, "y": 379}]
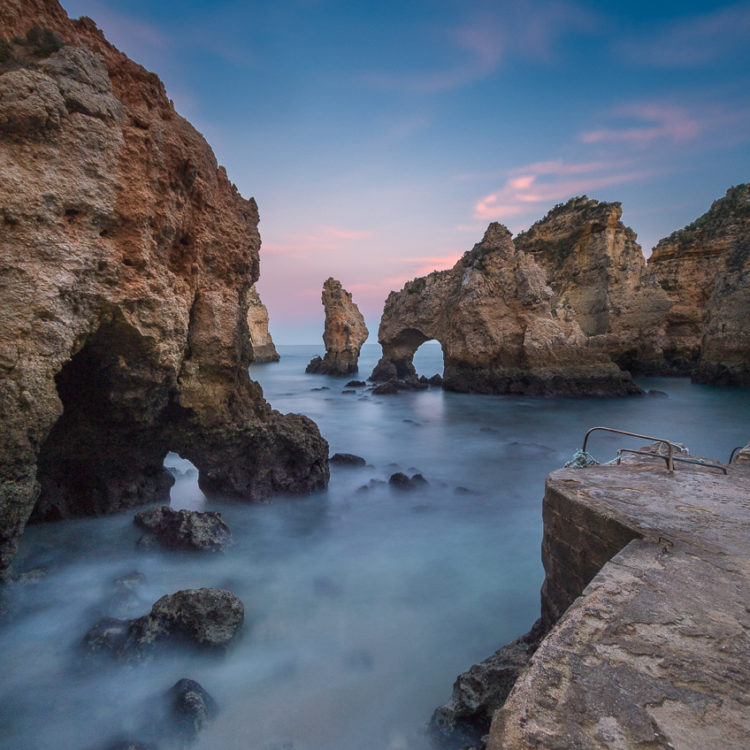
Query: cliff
[
  {"x": 494, "y": 317},
  {"x": 257, "y": 324},
  {"x": 705, "y": 269},
  {"x": 344, "y": 333},
  {"x": 127, "y": 258},
  {"x": 646, "y": 595},
  {"x": 597, "y": 272}
]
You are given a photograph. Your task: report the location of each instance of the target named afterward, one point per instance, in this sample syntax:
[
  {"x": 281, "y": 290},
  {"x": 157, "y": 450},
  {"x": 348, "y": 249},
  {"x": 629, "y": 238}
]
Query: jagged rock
[
  {"x": 386, "y": 389},
  {"x": 257, "y": 323},
  {"x": 192, "y": 707},
  {"x": 127, "y": 259},
  {"x": 599, "y": 278},
  {"x": 185, "y": 529},
  {"x": 209, "y": 618},
  {"x": 345, "y": 332},
  {"x": 705, "y": 269},
  {"x": 436, "y": 380},
  {"x": 480, "y": 691},
  {"x": 493, "y": 316},
  {"x": 347, "y": 459}
]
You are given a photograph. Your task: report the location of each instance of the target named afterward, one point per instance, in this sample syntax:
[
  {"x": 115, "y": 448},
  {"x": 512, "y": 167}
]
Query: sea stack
[
  {"x": 705, "y": 270},
  {"x": 345, "y": 332},
  {"x": 493, "y": 315},
  {"x": 257, "y": 323},
  {"x": 127, "y": 257}
]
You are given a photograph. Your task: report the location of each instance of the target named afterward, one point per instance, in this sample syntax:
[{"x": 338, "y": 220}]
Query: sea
[{"x": 363, "y": 603}]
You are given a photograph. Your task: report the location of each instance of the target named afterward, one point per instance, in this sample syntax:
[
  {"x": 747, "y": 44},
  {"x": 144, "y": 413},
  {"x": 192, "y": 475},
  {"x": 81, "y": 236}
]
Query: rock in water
[
  {"x": 347, "y": 459},
  {"x": 128, "y": 257},
  {"x": 345, "y": 332},
  {"x": 192, "y": 707},
  {"x": 493, "y": 315},
  {"x": 210, "y": 618},
  {"x": 185, "y": 529},
  {"x": 705, "y": 270},
  {"x": 257, "y": 323}
]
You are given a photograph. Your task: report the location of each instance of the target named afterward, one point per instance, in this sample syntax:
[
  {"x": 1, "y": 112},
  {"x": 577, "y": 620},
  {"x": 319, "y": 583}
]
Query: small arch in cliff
[
  {"x": 186, "y": 492},
  {"x": 104, "y": 452},
  {"x": 428, "y": 359}
]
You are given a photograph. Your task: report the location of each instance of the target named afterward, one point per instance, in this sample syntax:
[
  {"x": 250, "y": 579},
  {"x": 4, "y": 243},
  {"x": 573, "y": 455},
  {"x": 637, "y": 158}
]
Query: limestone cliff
[
  {"x": 705, "y": 269},
  {"x": 493, "y": 315},
  {"x": 257, "y": 323},
  {"x": 597, "y": 272},
  {"x": 345, "y": 332},
  {"x": 126, "y": 259}
]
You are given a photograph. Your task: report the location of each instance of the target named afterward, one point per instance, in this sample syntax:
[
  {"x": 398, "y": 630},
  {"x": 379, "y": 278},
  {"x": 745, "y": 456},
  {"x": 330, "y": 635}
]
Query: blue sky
[{"x": 380, "y": 139}]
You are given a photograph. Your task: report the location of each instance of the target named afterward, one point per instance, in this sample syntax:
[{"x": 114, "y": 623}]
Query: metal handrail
[
  {"x": 650, "y": 454},
  {"x": 672, "y": 446},
  {"x": 734, "y": 450}
]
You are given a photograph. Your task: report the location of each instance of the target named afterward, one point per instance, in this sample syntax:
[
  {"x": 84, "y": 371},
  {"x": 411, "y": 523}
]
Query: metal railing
[
  {"x": 669, "y": 457},
  {"x": 734, "y": 452}
]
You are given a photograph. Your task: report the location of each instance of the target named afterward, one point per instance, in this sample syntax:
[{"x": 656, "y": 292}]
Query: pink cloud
[
  {"x": 428, "y": 264},
  {"x": 323, "y": 238},
  {"x": 547, "y": 182},
  {"x": 657, "y": 122}
]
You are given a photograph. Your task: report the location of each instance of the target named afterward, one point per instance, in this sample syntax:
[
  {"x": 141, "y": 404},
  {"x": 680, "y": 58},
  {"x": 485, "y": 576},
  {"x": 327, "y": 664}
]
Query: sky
[{"x": 381, "y": 138}]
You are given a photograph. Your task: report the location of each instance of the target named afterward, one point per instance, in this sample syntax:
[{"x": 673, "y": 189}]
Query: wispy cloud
[
  {"x": 701, "y": 39},
  {"x": 647, "y": 123},
  {"x": 477, "y": 48},
  {"x": 322, "y": 238},
  {"x": 428, "y": 264},
  {"x": 529, "y": 186}
]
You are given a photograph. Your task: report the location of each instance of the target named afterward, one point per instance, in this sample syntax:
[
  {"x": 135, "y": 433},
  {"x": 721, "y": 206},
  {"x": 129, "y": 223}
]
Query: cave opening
[{"x": 105, "y": 452}]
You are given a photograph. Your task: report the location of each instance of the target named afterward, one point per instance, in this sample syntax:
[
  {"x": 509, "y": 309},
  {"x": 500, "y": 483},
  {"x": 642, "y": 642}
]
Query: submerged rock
[
  {"x": 347, "y": 459},
  {"x": 128, "y": 257},
  {"x": 356, "y": 384},
  {"x": 185, "y": 529},
  {"x": 191, "y": 708},
  {"x": 209, "y": 618},
  {"x": 386, "y": 389},
  {"x": 401, "y": 481},
  {"x": 345, "y": 332}
]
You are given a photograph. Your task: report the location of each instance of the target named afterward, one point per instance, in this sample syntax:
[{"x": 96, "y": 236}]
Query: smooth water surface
[{"x": 362, "y": 605}]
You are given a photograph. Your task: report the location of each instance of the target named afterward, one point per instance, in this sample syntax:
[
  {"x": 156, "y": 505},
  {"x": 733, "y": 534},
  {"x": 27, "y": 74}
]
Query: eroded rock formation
[
  {"x": 598, "y": 274},
  {"x": 345, "y": 332},
  {"x": 257, "y": 323},
  {"x": 493, "y": 315},
  {"x": 126, "y": 260},
  {"x": 705, "y": 269}
]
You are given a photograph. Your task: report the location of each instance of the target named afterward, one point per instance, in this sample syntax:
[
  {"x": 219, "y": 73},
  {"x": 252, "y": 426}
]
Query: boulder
[
  {"x": 191, "y": 708},
  {"x": 209, "y": 618},
  {"x": 345, "y": 332},
  {"x": 185, "y": 529},
  {"x": 347, "y": 459}
]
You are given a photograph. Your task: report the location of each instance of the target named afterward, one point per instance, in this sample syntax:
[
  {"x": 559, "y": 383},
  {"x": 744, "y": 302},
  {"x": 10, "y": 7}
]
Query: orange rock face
[
  {"x": 257, "y": 323},
  {"x": 127, "y": 257}
]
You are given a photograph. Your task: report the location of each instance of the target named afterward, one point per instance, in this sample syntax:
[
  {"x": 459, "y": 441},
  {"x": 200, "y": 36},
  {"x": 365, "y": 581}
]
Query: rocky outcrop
[
  {"x": 644, "y": 607},
  {"x": 345, "y": 332},
  {"x": 126, "y": 260},
  {"x": 257, "y": 323},
  {"x": 705, "y": 269},
  {"x": 209, "y": 618},
  {"x": 183, "y": 529},
  {"x": 598, "y": 274},
  {"x": 493, "y": 315}
]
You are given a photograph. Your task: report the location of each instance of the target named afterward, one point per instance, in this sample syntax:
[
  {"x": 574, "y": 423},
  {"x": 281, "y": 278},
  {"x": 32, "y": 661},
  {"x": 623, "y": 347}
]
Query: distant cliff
[
  {"x": 705, "y": 270},
  {"x": 495, "y": 317},
  {"x": 127, "y": 258},
  {"x": 257, "y": 323}
]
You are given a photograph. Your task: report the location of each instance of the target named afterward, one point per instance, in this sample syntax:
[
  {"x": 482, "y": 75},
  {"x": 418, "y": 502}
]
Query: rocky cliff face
[
  {"x": 126, "y": 260},
  {"x": 257, "y": 323},
  {"x": 598, "y": 274},
  {"x": 345, "y": 332},
  {"x": 494, "y": 317},
  {"x": 705, "y": 269}
]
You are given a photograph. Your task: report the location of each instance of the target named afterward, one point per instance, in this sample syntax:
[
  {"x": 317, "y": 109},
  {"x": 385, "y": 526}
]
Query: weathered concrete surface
[{"x": 655, "y": 651}]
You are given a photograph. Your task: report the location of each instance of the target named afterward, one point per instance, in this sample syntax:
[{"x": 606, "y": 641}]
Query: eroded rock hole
[
  {"x": 104, "y": 453},
  {"x": 428, "y": 360}
]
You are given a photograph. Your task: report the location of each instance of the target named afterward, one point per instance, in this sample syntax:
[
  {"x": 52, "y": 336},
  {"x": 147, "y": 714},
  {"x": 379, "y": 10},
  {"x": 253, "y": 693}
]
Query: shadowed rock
[
  {"x": 184, "y": 529},
  {"x": 191, "y": 708},
  {"x": 127, "y": 264},
  {"x": 347, "y": 459},
  {"x": 345, "y": 332}
]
